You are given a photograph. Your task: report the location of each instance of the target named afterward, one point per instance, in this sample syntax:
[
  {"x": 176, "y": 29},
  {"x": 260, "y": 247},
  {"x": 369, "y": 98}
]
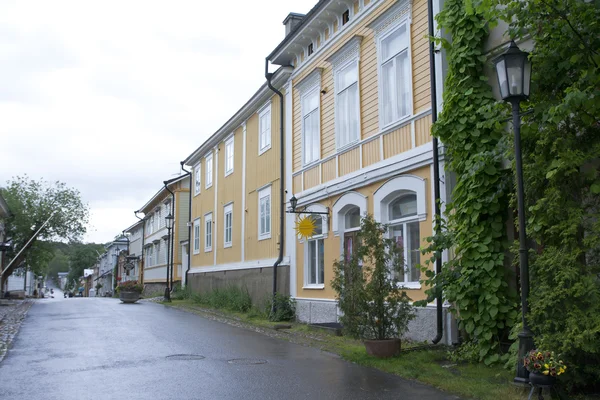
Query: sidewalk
[{"x": 12, "y": 314}]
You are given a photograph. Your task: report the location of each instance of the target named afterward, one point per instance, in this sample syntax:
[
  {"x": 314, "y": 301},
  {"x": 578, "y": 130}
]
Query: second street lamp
[
  {"x": 168, "y": 223},
  {"x": 513, "y": 70}
]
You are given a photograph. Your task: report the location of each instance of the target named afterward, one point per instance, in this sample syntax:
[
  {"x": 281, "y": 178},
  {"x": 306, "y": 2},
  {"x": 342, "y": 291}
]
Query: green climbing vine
[{"x": 471, "y": 128}]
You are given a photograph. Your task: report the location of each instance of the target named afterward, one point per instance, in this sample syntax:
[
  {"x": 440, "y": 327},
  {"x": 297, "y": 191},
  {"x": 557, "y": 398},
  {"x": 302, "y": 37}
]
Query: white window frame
[
  {"x": 196, "y": 236},
  {"x": 343, "y": 58},
  {"x": 227, "y": 209},
  {"x": 264, "y": 193},
  {"x": 150, "y": 255},
  {"x": 307, "y": 87},
  {"x": 384, "y": 35},
  {"x": 208, "y": 232},
  {"x": 157, "y": 252},
  {"x": 324, "y": 234},
  {"x": 208, "y": 170},
  {"x": 267, "y": 134},
  {"x": 151, "y": 224},
  {"x": 403, "y": 222},
  {"x": 197, "y": 179},
  {"x": 229, "y": 156}
]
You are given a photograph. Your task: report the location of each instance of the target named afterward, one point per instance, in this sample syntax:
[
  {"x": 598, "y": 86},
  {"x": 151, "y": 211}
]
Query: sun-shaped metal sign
[{"x": 305, "y": 227}]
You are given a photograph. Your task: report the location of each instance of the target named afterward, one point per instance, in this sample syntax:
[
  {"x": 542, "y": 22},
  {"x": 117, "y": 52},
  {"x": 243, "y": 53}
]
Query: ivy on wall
[{"x": 471, "y": 128}]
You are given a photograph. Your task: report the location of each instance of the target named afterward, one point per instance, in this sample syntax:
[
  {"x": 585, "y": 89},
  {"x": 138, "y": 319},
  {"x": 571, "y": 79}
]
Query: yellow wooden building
[
  {"x": 158, "y": 241},
  {"x": 358, "y": 121},
  {"x": 236, "y": 205}
]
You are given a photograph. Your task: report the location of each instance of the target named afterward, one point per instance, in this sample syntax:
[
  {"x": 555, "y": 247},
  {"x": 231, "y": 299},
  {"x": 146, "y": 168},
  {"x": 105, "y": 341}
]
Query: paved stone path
[{"x": 11, "y": 317}]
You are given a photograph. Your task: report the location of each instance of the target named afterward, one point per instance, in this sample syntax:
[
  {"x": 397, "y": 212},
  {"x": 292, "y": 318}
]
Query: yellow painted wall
[
  {"x": 202, "y": 204},
  {"x": 368, "y": 84},
  {"x": 332, "y": 242},
  {"x": 262, "y": 170},
  {"x": 230, "y": 190}
]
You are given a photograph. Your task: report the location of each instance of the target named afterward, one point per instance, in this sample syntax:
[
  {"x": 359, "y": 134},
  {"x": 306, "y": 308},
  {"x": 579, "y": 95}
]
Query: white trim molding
[
  {"x": 395, "y": 187},
  {"x": 342, "y": 205},
  {"x": 254, "y": 264}
]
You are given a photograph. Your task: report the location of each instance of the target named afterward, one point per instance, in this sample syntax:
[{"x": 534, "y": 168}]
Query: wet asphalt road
[{"x": 98, "y": 348}]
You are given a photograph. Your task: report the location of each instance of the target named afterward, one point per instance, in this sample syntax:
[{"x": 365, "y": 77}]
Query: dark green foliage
[
  {"x": 561, "y": 155},
  {"x": 368, "y": 289},
  {"x": 285, "y": 308},
  {"x": 31, "y": 203},
  {"x": 471, "y": 129},
  {"x": 180, "y": 293}
]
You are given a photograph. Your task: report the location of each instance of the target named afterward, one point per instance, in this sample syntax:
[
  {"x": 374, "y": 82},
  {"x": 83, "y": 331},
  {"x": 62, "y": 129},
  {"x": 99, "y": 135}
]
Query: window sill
[
  {"x": 196, "y": 194},
  {"x": 347, "y": 146},
  {"x": 265, "y": 237},
  {"x": 228, "y": 173},
  {"x": 195, "y": 252},
  {"x": 410, "y": 285},
  {"x": 208, "y": 250},
  {"x": 312, "y": 163},
  {"x": 208, "y": 187},
  {"x": 314, "y": 287},
  {"x": 227, "y": 245},
  {"x": 396, "y": 125},
  {"x": 261, "y": 151}
]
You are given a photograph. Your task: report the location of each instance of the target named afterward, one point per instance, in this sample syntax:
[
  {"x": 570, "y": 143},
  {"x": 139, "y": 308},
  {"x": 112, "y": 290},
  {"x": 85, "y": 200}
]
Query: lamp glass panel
[
  {"x": 502, "y": 81},
  {"x": 527, "y": 78},
  {"x": 514, "y": 72}
]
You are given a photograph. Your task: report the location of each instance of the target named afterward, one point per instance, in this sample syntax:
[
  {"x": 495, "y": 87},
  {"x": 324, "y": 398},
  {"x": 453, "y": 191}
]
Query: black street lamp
[
  {"x": 514, "y": 74},
  {"x": 168, "y": 223},
  {"x": 294, "y": 203}
]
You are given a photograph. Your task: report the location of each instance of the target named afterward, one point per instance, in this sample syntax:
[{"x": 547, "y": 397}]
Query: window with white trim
[
  {"x": 208, "y": 232},
  {"x": 347, "y": 104},
  {"x": 197, "y": 179},
  {"x": 150, "y": 224},
  {"x": 315, "y": 256},
  {"x": 395, "y": 74},
  {"x": 159, "y": 219},
  {"x": 311, "y": 126},
  {"x": 351, "y": 228},
  {"x": 150, "y": 256},
  {"x": 229, "y": 156},
  {"x": 158, "y": 259},
  {"x": 196, "y": 233},
  {"x": 264, "y": 213},
  {"x": 264, "y": 129},
  {"x": 228, "y": 225},
  {"x": 209, "y": 170},
  {"x": 404, "y": 229}
]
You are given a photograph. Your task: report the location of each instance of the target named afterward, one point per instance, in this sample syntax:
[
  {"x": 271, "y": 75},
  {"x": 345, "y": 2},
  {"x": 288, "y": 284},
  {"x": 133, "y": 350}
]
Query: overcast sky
[{"x": 108, "y": 96}]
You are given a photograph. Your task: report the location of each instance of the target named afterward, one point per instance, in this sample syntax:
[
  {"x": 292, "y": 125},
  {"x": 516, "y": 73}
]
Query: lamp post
[
  {"x": 513, "y": 70},
  {"x": 168, "y": 222}
]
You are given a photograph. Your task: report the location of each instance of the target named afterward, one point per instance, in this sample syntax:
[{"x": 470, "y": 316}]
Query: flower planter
[
  {"x": 129, "y": 297},
  {"x": 383, "y": 348},
  {"x": 541, "y": 380}
]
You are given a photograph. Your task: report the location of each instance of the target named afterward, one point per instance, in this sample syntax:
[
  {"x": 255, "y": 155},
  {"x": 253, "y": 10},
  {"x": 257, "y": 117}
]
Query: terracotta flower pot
[
  {"x": 538, "y": 379},
  {"x": 383, "y": 348},
  {"x": 129, "y": 297}
]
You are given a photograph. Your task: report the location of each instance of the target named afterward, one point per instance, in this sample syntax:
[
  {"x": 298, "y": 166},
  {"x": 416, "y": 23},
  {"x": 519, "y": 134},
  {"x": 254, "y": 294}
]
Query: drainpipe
[
  {"x": 189, "y": 253},
  {"x": 143, "y": 237},
  {"x": 166, "y": 183},
  {"x": 436, "y": 168},
  {"x": 269, "y": 76}
]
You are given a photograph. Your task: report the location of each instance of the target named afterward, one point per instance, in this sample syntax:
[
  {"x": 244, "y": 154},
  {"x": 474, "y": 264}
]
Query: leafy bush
[
  {"x": 180, "y": 293},
  {"x": 285, "y": 308},
  {"x": 232, "y": 298},
  {"x": 368, "y": 289}
]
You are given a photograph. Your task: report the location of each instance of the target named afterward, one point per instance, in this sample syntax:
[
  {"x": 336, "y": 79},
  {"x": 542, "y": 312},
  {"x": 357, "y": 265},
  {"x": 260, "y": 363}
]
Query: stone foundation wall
[
  {"x": 421, "y": 329},
  {"x": 258, "y": 281},
  {"x": 154, "y": 289}
]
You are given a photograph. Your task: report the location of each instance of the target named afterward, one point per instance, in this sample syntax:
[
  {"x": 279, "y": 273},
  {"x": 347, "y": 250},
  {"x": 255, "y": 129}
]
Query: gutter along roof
[
  {"x": 262, "y": 95},
  {"x": 161, "y": 190}
]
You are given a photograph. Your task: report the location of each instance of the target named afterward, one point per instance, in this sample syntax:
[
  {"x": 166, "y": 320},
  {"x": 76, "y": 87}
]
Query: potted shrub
[
  {"x": 129, "y": 291},
  {"x": 374, "y": 306},
  {"x": 543, "y": 367}
]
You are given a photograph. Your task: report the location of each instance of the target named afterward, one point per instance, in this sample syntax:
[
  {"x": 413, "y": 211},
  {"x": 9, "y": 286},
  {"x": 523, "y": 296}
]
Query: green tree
[
  {"x": 84, "y": 256},
  {"x": 59, "y": 263},
  {"x": 32, "y": 203},
  {"x": 561, "y": 161}
]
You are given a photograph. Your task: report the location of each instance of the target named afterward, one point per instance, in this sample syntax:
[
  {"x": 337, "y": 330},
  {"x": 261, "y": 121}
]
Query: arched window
[
  {"x": 351, "y": 228},
  {"x": 404, "y": 229},
  {"x": 400, "y": 203}
]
